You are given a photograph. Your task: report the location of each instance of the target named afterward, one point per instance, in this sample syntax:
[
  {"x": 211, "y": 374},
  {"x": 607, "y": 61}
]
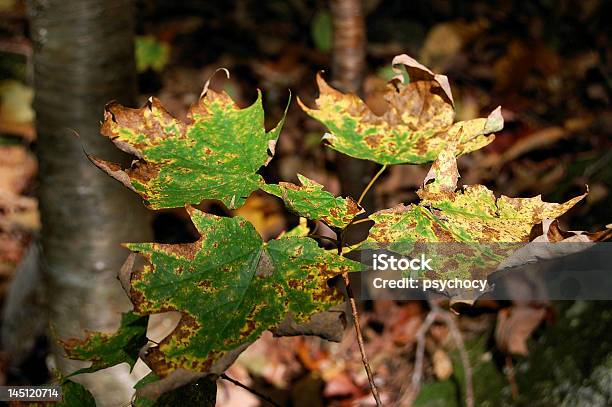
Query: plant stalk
[{"x": 371, "y": 183}]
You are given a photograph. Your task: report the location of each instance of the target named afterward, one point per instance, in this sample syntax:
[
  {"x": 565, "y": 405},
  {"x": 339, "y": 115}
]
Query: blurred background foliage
[{"x": 548, "y": 63}]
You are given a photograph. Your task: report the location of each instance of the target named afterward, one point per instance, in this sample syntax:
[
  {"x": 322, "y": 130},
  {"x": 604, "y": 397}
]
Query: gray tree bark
[
  {"x": 83, "y": 58},
  {"x": 348, "y": 70}
]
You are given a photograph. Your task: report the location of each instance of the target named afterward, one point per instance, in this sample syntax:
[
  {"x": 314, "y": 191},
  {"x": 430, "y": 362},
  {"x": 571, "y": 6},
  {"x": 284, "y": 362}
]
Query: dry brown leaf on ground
[
  {"x": 515, "y": 326},
  {"x": 442, "y": 364},
  {"x": 446, "y": 40}
]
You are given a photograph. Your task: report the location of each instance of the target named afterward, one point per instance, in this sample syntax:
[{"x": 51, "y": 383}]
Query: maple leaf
[
  {"x": 215, "y": 155},
  {"x": 479, "y": 231},
  {"x": 106, "y": 350},
  {"x": 310, "y": 201},
  {"x": 471, "y": 215},
  {"x": 229, "y": 272},
  {"x": 416, "y": 127}
]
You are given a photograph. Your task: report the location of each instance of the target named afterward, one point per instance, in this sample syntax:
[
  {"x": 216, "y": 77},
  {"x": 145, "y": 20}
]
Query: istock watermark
[
  {"x": 388, "y": 262},
  {"x": 501, "y": 271},
  {"x": 416, "y": 272},
  {"x": 430, "y": 285}
]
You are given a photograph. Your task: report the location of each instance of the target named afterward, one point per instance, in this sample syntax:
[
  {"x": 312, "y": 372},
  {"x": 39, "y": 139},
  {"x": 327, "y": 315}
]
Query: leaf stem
[
  {"x": 361, "y": 221},
  {"x": 372, "y": 181},
  {"x": 355, "y": 314},
  {"x": 247, "y": 388},
  {"x": 351, "y": 297},
  {"x": 364, "y": 356}
]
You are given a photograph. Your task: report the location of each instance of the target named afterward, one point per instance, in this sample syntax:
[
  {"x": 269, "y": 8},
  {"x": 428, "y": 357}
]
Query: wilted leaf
[
  {"x": 310, "y": 201},
  {"x": 216, "y": 155},
  {"x": 416, "y": 127},
  {"x": 551, "y": 232},
  {"x": 151, "y": 53},
  {"x": 229, "y": 272},
  {"x": 106, "y": 350}
]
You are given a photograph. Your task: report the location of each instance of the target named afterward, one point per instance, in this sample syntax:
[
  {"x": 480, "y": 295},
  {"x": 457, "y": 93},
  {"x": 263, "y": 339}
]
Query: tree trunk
[
  {"x": 348, "y": 68},
  {"x": 83, "y": 58}
]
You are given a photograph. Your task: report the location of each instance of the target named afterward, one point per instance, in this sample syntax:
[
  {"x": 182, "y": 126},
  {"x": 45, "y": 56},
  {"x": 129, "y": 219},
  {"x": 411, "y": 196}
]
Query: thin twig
[
  {"x": 372, "y": 181},
  {"x": 417, "y": 374},
  {"x": 465, "y": 360},
  {"x": 364, "y": 356},
  {"x": 253, "y": 391},
  {"x": 355, "y": 314},
  {"x": 434, "y": 314},
  {"x": 511, "y": 377},
  {"x": 351, "y": 297},
  {"x": 415, "y": 385},
  {"x": 361, "y": 221}
]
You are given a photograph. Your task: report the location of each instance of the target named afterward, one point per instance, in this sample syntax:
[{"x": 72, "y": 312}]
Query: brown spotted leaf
[
  {"x": 215, "y": 155},
  {"x": 552, "y": 233},
  {"x": 417, "y": 126},
  {"x": 478, "y": 231},
  {"x": 230, "y": 286},
  {"x": 471, "y": 215},
  {"x": 310, "y": 201}
]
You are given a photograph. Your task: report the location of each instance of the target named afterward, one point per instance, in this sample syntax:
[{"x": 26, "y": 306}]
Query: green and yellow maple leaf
[
  {"x": 471, "y": 215},
  {"x": 216, "y": 155},
  {"x": 106, "y": 350},
  {"x": 416, "y": 127},
  {"x": 311, "y": 201},
  {"x": 478, "y": 230},
  {"x": 231, "y": 272}
]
